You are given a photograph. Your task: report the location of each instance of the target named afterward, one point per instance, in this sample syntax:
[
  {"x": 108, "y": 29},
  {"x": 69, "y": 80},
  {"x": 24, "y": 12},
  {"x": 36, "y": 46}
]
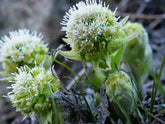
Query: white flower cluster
[
  {"x": 32, "y": 89},
  {"x": 93, "y": 32},
  {"x": 22, "y": 48},
  {"x": 86, "y": 21},
  {"x": 25, "y": 55}
]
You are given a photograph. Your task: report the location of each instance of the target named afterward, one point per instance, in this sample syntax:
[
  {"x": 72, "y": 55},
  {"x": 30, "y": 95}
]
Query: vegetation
[{"x": 96, "y": 36}]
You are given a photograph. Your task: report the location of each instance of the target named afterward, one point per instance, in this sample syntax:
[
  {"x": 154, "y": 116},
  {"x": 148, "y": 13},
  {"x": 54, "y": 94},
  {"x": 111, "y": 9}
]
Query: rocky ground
[{"x": 31, "y": 14}]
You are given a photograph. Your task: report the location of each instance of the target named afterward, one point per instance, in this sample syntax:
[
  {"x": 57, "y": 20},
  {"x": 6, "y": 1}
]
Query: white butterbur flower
[
  {"x": 32, "y": 89},
  {"x": 93, "y": 32},
  {"x": 22, "y": 48},
  {"x": 85, "y": 19}
]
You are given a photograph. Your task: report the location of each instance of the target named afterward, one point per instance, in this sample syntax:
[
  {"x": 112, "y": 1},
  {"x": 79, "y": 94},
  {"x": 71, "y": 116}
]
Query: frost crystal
[{"x": 22, "y": 48}]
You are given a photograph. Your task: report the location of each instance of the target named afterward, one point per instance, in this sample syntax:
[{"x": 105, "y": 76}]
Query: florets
[
  {"x": 32, "y": 89},
  {"x": 22, "y": 48},
  {"x": 93, "y": 32}
]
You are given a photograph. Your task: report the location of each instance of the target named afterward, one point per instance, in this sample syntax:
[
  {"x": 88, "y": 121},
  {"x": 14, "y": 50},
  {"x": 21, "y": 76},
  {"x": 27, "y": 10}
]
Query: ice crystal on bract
[
  {"x": 22, "y": 48},
  {"x": 93, "y": 32},
  {"x": 32, "y": 89}
]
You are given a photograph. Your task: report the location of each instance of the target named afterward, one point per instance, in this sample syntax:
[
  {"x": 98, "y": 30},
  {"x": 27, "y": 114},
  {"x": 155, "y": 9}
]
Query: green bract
[
  {"x": 120, "y": 89},
  {"x": 96, "y": 77},
  {"x": 138, "y": 53},
  {"x": 99, "y": 76},
  {"x": 22, "y": 48},
  {"x": 93, "y": 32},
  {"x": 32, "y": 89}
]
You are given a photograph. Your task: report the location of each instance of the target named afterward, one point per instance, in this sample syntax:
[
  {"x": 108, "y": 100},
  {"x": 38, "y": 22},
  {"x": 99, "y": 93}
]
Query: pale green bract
[
  {"x": 31, "y": 90},
  {"x": 22, "y": 48},
  {"x": 93, "y": 32},
  {"x": 138, "y": 53},
  {"x": 119, "y": 87}
]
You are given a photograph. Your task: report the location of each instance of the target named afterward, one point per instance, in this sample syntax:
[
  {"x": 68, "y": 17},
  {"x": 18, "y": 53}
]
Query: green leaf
[
  {"x": 71, "y": 55},
  {"x": 123, "y": 21},
  {"x": 157, "y": 79},
  {"x": 116, "y": 59},
  {"x": 86, "y": 102},
  {"x": 66, "y": 40},
  {"x": 156, "y": 85}
]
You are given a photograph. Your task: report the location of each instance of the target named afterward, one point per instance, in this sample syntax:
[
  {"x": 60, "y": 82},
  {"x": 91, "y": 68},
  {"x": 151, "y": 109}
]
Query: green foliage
[
  {"x": 156, "y": 85},
  {"x": 96, "y": 37},
  {"x": 86, "y": 103}
]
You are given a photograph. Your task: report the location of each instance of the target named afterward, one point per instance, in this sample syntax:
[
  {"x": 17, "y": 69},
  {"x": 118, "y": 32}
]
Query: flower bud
[
  {"x": 22, "y": 48},
  {"x": 138, "y": 53},
  {"x": 119, "y": 88},
  {"x": 93, "y": 32}
]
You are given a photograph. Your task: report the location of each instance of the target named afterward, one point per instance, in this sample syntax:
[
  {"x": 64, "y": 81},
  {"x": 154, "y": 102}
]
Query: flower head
[
  {"x": 32, "y": 89},
  {"x": 120, "y": 87},
  {"x": 93, "y": 32},
  {"x": 22, "y": 48}
]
